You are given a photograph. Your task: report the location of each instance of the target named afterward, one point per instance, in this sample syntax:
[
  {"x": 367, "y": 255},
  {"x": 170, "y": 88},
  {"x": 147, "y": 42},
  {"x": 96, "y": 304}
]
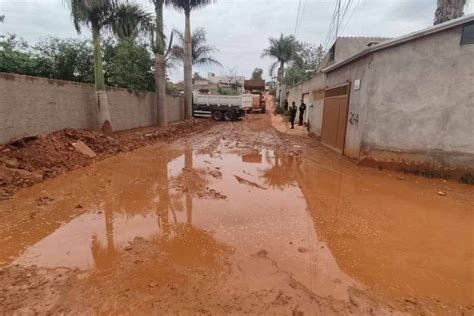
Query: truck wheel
[
  {"x": 217, "y": 115},
  {"x": 229, "y": 116}
]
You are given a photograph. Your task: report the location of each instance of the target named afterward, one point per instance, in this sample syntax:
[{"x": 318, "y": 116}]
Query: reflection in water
[
  {"x": 163, "y": 207},
  {"x": 188, "y": 167},
  {"x": 284, "y": 172},
  {"x": 143, "y": 198},
  {"x": 281, "y": 204},
  {"x": 104, "y": 254}
]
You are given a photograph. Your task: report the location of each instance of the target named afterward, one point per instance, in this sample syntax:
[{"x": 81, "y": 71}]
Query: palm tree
[
  {"x": 129, "y": 20},
  {"x": 200, "y": 51},
  {"x": 187, "y": 6},
  {"x": 160, "y": 65},
  {"x": 124, "y": 19},
  {"x": 448, "y": 10},
  {"x": 283, "y": 49}
]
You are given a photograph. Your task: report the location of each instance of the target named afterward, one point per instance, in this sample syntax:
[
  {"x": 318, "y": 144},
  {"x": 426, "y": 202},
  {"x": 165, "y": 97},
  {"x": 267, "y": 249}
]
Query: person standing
[
  {"x": 302, "y": 110},
  {"x": 293, "y": 110}
]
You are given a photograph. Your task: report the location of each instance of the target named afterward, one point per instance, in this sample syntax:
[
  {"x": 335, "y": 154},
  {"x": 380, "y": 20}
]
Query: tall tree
[
  {"x": 128, "y": 64},
  {"x": 283, "y": 49},
  {"x": 304, "y": 63},
  {"x": 64, "y": 59},
  {"x": 257, "y": 74},
  {"x": 100, "y": 15},
  {"x": 187, "y": 6},
  {"x": 160, "y": 64},
  {"x": 200, "y": 51},
  {"x": 448, "y": 10}
]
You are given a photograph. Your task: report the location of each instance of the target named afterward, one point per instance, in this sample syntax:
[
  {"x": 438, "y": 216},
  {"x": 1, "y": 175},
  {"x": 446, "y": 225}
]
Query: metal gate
[{"x": 336, "y": 104}]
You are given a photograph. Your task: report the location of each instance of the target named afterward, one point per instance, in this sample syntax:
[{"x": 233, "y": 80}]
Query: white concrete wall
[
  {"x": 315, "y": 107},
  {"x": 416, "y": 103},
  {"x": 38, "y": 106}
]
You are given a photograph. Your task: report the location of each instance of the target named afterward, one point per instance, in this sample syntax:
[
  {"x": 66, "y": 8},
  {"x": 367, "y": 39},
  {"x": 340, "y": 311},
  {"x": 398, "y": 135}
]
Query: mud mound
[{"x": 29, "y": 161}]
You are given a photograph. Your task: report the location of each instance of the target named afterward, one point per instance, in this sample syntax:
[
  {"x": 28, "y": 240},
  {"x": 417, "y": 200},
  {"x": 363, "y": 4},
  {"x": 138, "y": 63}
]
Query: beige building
[{"x": 407, "y": 102}]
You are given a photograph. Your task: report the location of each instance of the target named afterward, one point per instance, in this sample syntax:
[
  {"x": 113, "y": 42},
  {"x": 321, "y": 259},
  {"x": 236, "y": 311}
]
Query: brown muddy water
[{"x": 253, "y": 219}]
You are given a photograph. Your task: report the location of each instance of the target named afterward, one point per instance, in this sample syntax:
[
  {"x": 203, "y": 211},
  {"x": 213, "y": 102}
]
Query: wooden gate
[{"x": 336, "y": 105}]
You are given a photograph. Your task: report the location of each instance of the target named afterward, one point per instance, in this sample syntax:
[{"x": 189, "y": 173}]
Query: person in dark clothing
[
  {"x": 286, "y": 104},
  {"x": 293, "y": 110},
  {"x": 302, "y": 110}
]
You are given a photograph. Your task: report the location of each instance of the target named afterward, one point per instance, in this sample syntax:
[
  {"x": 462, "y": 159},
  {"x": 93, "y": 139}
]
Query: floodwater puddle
[
  {"x": 243, "y": 207},
  {"x": 247, "y": 216}
]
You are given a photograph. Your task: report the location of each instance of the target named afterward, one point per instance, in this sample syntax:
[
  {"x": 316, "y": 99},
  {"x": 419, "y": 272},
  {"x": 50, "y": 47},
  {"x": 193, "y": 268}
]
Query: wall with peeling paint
[{"x": 38, "y": 106}]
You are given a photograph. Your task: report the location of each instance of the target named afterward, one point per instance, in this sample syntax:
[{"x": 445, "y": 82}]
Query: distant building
[
  {"x": 225, "y": 81},
  {"x": 213, "y": 82}
]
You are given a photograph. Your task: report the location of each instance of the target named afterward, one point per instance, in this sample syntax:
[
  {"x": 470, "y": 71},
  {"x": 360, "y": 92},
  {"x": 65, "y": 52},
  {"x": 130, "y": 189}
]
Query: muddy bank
[{"x": 33, "y": 160}]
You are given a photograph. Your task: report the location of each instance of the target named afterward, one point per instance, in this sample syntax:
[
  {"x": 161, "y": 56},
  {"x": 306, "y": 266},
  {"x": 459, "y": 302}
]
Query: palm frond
[
  {"x": 207, "y": 61},
  {"x": 128, "y": 20},
  {"x": 200, "y": 51},
  {"x": 283, "y": 49},
  {"x": 188, "y": 5},
  {"x": 273, "y": 67}
]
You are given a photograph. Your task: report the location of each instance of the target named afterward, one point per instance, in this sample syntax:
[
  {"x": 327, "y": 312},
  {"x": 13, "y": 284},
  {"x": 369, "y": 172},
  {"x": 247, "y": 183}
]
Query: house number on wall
[{"x": 354, "y": 119}]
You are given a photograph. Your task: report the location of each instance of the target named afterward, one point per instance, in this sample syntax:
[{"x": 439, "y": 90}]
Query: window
[
  {"x": 467, "y": 36},
  {"x": 332, "y": 53}
]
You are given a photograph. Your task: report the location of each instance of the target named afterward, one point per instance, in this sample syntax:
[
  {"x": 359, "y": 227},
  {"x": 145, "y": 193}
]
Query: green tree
[
  {"x": 200, "y": 51},
  {"x": 128, "y": 64},
  {"x": 304, "y": 63},
  {"x": 257, "y": 74},
  {"x": 100, "y": 15},
  {"x": 15, "y": 56},
  {"x": 283, "y": 49},
  {"x": 449, "y": 9},
  {"x": 187, "y": 6},
  {"x": 64, "y": 59}
]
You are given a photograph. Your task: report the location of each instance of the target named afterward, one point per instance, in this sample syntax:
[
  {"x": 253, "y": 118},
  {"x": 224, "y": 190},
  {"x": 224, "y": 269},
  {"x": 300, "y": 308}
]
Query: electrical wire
[
  {"x": 297, "y": 18},
  {"x": 301, "y": 18},
  {"x": 356, "y": 6},
  {"x": 331, "y": 27}
]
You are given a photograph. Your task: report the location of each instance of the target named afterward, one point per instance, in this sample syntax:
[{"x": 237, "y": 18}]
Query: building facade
[{"x": 406, "y": 103}]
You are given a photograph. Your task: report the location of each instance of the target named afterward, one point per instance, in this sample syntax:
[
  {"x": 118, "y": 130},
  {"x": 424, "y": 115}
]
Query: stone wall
[{"x": 38, "y": 106}]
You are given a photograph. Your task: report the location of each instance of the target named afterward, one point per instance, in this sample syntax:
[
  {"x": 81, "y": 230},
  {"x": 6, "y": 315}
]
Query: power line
[
  {"x": 348, "y": 4},
  {"x": 338, "y": 16},
  {"x": 340, "y": 12},
  {"x": 353, "y": 13},
  {"x": 301, "y": 18},
  {"x": 331, "y": 28},
  {"x": 297, "y": 18}
]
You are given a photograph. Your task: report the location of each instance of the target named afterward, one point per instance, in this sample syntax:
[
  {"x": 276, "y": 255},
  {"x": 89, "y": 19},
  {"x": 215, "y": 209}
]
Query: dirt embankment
[{"x": 29, "y": 161}]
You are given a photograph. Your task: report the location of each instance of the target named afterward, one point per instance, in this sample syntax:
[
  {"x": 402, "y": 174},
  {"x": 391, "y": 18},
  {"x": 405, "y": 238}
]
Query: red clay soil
[{"x": 26, "y": 162}]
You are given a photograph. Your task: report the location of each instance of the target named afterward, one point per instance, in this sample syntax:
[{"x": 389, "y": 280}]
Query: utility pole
[{"x": 338, "y": 17}]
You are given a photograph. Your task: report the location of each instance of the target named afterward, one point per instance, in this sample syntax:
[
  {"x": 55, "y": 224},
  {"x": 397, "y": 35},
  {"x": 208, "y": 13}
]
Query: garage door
[{"x": 336, "y": 104}]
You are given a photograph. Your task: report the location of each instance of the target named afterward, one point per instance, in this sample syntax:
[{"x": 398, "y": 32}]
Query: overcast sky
[{"x": 240, "y": 28}]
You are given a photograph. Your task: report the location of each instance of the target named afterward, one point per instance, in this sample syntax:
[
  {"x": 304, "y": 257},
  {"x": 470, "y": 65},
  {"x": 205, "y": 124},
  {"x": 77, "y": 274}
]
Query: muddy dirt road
[{"x": 243, "y": 218}]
